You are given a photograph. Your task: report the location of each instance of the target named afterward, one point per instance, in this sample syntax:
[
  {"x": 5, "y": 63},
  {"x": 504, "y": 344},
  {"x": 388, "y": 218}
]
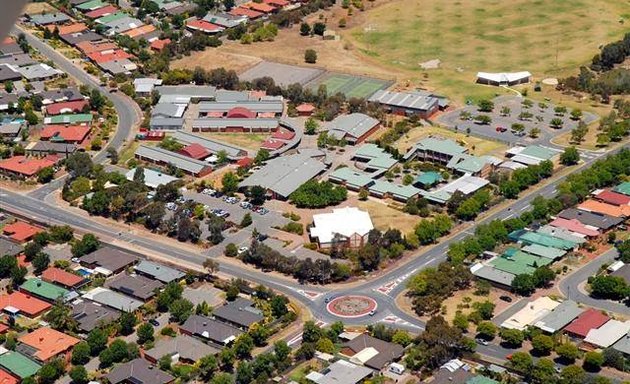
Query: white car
[{"x": 242, "y": 250}]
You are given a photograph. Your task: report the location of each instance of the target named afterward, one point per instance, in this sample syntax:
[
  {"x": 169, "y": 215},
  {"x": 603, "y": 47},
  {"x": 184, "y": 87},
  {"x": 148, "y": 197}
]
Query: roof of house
[
  {"x": 146, "y": 84},
  {"x": 152, "y": 179},
  {"x": 260, "y": 7},
  {"x": 103, "y": 57},
  {"x": 340, "y": 371},
  {"x": 612, "y": 197},
  {"x": 49, "y": 18},
  {"x": 18, "y": 364},
  {"x": 182, "y": 162},
  {"x": 18, "y": 59},
  {"x": 8, "y": 73},
  {"x": 604, "y": 208},
  {"x": 78, "y": 37},
  {"x": 623, "y": 345},
  {"x": 69, "y": 119},
  {"x": 89, "y": 47},
  {"x": 285, "y": 174},
  {"x": 432, "y": 144},
  {"x": 138, "y": 371},
  {"x": 9, "y": 248},
  {"x": 187, "y": 347},
  {"x": 541, "y": 250},
  {"x": 240, "y": 311},
  {"x": 57, "y": 148},
  {"x": 623, "y": 272},
  {"x": 118, "y": 66},
  {"x": 43, "y": 289},
  {"x": 243, "y": 11},
  {"x": 532, "y": 312},
  {"x": 386, "y": 351},
  {"x": 354, "y": 124},
  {"x": 159, "y": 271},
  {"x": 345, "y": 221},
  {"x": 58, "y": 275},
  {"x": 410, "y": 100},
  {"x": 211, "y": 329},
  {"x": 71, "y": 133},
  {"x": 91, "y": 5},
  {"x": 90, "y": 315},
  {"x": 608, "y": 334},
  {"x": 7, "y": 378},
  {"x": 225, "y": 19},
  {"x": 137, "y": 286},
  {"x": 21, "y": 231},
  {"x": 574, "y": 225},
  {"x": 561, "y": 315},
  {"x": 139, "y": 31},
  {"x": 589, "y": 319},
  {"x": 109, "y": 258},
  {"x": 597, "y": 220},
  {"x": 48, "y": 343},
  {"x": 102, "y": 11},
  {"x": 547, "y": 240},
  {"x": 516, "y": 262},
  {"x": 113, "y": 299},
  {"x": 25, "y": 303},
  {"x": 623, "y": 188},
  {"x": 159, "y": 44},
  {"x": 38, "y": 71},
  {"x": 66, "y": 107},
  {"x": 204, "y": 26},
  {"x": 562, "y": 233},
  {"x": 490, "y": 273},
  {"x": 62, "y": 94}
]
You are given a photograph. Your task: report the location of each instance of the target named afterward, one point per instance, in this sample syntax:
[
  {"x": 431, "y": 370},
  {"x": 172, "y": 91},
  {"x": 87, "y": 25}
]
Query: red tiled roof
[
  {"x": 118, "y": 54},
  {"x": 106, "y": 10},
  {"x": 204, "y": 26},
  {"x": 242, "y": 11},
  {"x": 589, "y": 319},
  {"x": 90, "y": 47},
  {"x": 21, "y": 231},
  {"x": 139, "y": 31},
  {"x": 66, "y": 107},
  {"x": 272, "y": 144},
  {"x": 3, "y": 329},
  {"x": 613, "y": 198},
  {"x": 240, "y": 112},
  {"x": 196, "y": 151},
  {"x": 278, "y": 3},
  {"x": 606, "y": 209},
  {"x": 27, "y": 166},
  {"x": 67, "y": 29},
  {"x": 574, "y": 225},
  {"x": 7, "y": 378},
  {"x": 283, "y": 135},
  {"x": 260, "y": 7},
  {"x": 306, "y": 107},
  {"x": 159, "y": 45},
  {"x": 48, "y": 343},
  {"x": 245, "y": 162},
  {"x": 70, "y": 133},
  {"x": 26, "y": 304},
  {"x": 58, "y": 275}
]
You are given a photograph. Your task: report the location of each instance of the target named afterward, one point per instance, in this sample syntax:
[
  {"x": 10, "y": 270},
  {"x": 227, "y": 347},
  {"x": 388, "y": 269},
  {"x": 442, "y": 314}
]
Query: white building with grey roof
[
  {"x": 113, "y": 299},
  {"x": 39, "y": 71},
  {"x": 158, "y": 272},
  {"x": 421, "y": 104},
  {"x": 354, "y": 128}
]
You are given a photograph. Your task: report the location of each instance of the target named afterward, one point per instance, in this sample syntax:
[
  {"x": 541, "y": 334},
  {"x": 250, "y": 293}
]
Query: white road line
[
  {"x": 524, "y": 208},
  {"x": 507, "y": 217}
]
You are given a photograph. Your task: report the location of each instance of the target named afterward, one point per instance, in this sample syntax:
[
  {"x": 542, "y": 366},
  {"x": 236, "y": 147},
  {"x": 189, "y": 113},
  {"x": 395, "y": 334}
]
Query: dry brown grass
[
  {"x": 385, "y": 217},
  {"x": 481, "y": 146},
  {"x": 33, "y": 8},
  {"x": 251, "y": 141}
]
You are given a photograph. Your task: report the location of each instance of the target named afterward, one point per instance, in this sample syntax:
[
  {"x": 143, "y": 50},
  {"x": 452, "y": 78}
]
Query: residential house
[
  {"x": 240, "y": 313},
  {"x": 531, "y": 313},
  {"x": 51, "y": 149},
  {"x": 19, "y": 303},
  {"x": 44, "y": 290},
  {"x": 371, "y": 352},
  {"x": 90, "y": 315},
  {"x": 158, "y": 272},
  {"x": 601, "y": 221},
  {"x": 137, "y": 286},
  {"x": 72, "y": 134},
  {"x": 43, "y": 19},
  {"x": 45, "y": 344},
  {"x": 18, "y": 365},
  {"x": 587, "y": 320},
  {"x": 182, "y": 349},
  {"x": 559, "y": 317},
  {"x": 138, "y": 371},
  {"x": 211, "y": 330},
  {"x": 608, "y": 334},
  {"x": 108, "y": 261},
  {"x": 340, "y": 371},
  {"x": 113, "y": 299},
  {"x": 20, "y": 231},
  {"x": 64, "y": 278}
]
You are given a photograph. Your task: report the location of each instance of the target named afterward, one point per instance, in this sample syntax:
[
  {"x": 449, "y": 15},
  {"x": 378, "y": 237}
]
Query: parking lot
[{"x": 541, "y": 118}]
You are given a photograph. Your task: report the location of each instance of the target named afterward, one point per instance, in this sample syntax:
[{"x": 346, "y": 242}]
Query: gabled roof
[
  {"x": 612, "y": 197},
  {"x": 18, "y": 364},
  {"x": 562, "y": 315},
  {"x": 118, "y": 54},
  {"x": 99, "y": 12},
  {"x": 203, "y": 26},
  {"x": 49, "y": 18},
  {"x": 89, "y": 47},
  {"x": 48, "y": 343},
  {"x": 138, "y": 371},
  {"x": 196, "y": 151},
  {"x": 70, "y": 133},
  {"x": 606, "y": 209},
  {"x": 58, "y": 275},
  {"x": 21, "y": 231},
  {"x": 109, "y": 258},
  {"x": 574, "y": 225},
  {"x": 26, "y": 304},
  {"x": 354, "y": 124},
  {"x": 139, "y": 31},
  {"x": 596, "y": 220},
  {"x": 608, "y": 334},
  {"x": 589, "y": 319},
  {"x": 386, "y": 351},
  {"x": 113, "y": 299},
  {"x": 68, "y": 29},
  {"x": 159, "y": 272},
  {"x": 43, "y": 289},
  {"x": 27, "y": 166},
  {"x": 623, "y": 188},
  {"x": 249, "y": 13},
  {"x": 137, "y": 286}
]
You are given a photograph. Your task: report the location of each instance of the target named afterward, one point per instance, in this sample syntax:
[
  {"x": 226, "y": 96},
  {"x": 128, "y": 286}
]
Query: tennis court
[{"x": 349, "y": 85}]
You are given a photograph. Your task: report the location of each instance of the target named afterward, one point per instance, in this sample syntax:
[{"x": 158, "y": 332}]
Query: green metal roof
[
  {"x": 112, "y": 17},
  {"x": 446, "y": 146},
  {"x": 538, "y": 152},
  {"x": 481, "y": 380},
  {"x": 370, "y": 151},
  {"x": 466, "y": 163},
  {"x": 69, "y": 119},
  {"x": 541, "y": 250},
  {"x": 546, "y": 240},
  {"x": 623, "y": 188},
  {"x": 18, "y": 364},
  {"x": 428, "y": 178},
  {"x": 396, "y": 190},
  {"x": 350, "y": 177},
  {"x": 517, "y": 262},
  {"x": 382, "y": 163},
  {"x": 94, "y": 4},
  {"x": 43, "y": 289}
]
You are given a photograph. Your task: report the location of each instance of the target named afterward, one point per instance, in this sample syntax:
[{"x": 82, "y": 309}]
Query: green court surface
[{"x": 351, "y": 86}]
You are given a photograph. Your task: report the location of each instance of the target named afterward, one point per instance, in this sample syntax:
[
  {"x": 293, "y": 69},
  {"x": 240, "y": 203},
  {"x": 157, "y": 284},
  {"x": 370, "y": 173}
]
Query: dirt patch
[
  {"x": 210, "y": 59},
  {"x": 385, "y": 217},
  {"x": 476, "y": 145},
  {"x": 34, "y": 8},
  {"x": 251, "y": 141}
]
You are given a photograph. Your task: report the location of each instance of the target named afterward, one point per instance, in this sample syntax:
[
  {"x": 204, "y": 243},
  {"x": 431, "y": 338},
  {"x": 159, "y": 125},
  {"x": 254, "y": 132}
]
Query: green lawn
[{"x": 351, "y": 86}]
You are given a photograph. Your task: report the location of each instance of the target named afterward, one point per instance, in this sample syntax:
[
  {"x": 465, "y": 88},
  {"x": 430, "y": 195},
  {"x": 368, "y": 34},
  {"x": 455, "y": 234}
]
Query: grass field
[
  {"x": 384, "y": 217},
  {"x": 545, "y": 37},
  {"x": 251, "y": 141},
  {"x": 351, "y": 86}
]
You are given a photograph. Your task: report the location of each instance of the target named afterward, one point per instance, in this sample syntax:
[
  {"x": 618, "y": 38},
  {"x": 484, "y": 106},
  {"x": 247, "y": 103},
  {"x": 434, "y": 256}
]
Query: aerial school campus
[{"x": 400, "y": 191}]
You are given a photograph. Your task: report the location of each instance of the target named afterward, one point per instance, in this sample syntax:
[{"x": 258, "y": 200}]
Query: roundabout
[{"x": 351, "y": 306}]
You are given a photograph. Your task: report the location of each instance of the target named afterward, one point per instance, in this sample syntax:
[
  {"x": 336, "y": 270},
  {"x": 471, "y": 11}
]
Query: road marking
[
  {"x": 524, "y": 208},
  {"x": 392, "y": 319},
  {"x": 295, "y": 340},
  {"x": 386, "y": 288},
  {"x": 507, "y": 217}
]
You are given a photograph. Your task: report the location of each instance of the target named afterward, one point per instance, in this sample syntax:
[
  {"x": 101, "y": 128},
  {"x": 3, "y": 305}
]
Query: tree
[
  {"x": 88, "y": 244},
  {"x": 230, "y": 183},
  {"x": 570, "y": 156},
  {"x": 523, "y": 284},
  {"x": 486, "y": 105},
  {"x": 231, "y": 250},
  {"x": 261, "y": 156},
  {"x": 325, "y": 345},
  {"x": 614, "y": 358},
  {"x": 505, "y": 111},
  {"x": 257, "y": 195},
  {"x": 576, "y": 114},
  {"x": 247, "y": 220},
  {"x": 363, "y": 194},
  {"x": 521, "y": 362},
  {"x": 483, "y": 119},
  {"x": 556, "y": 123},
  {"x": 310, "y": 56},
  {"x": 208, "y": 365},
  {"x": 97, "y": 340},
  {"x": 79, "y": 164},
  {"x": 568, "y": 352},
  {"x": 314, "y": 194},
  {"x": 244, "y": 346},
  {"x": 485, "y": 309},
  {"x": 81, "y": 353},
  {"x": 486, "y": 330},
  {"x": 517, "y": 127},
  {"x": 40, "y": 262},
  {"x": 180, "y": 310},
  {"x": 145, "y": 333},
  {"x": 127, "y": 322},
  {"x": 573, "y": 375},
  {"x": 113, "y": 155},
  {"x": 319, "y": 28},
  {"x": 215, "y": 226},
  {"x": 311, "y": 332},
  {"x": 402, "y": 338},
  {"x": 79, "y": 375},
  {"x": 282, "y": 353},
  {"x": 593, "y": 361},
  {"x": 211, "y": 266},
  {"x": 45, "y": 175},
  {"x": 512, "y": 337},
  {"x": 310, "y": 126},
  {"x": 534, "y": 132},
  {"x": 60, "y": 318},
  {"x": 279, "y": 306},
  {"x": 609, "y": 287},
  {"x": 305, "y": 29},
  {"x": 543, "y": 276},
  {"x": 542, "y": 344},
  {"x": 50, "y": 372}
]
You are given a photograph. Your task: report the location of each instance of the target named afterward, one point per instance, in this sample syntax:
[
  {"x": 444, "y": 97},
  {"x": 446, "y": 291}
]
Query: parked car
[
  {"x": 507, "y": 299},
  {"x": 242, "y": 250},
  {"x": 154, "y": 322},
  {"x": 481, "y": 341},
  {"x": 501, "y": 129},
  {"x": 262, "y": 211},
  {"x": 262, "y": 237}
]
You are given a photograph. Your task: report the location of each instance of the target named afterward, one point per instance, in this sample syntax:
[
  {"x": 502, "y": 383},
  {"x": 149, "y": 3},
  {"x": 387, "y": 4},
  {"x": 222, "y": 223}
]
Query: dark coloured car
[
  {"x": 154, "y": 322},
  {"x": 507, "y": 299}
]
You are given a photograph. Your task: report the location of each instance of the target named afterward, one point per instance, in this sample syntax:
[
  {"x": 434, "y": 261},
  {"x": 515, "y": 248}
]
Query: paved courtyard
[{"x": 282, "y": 74}]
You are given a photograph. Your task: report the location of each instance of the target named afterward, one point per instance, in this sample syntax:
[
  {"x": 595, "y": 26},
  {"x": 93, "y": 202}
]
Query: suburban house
[
  {"x": 601, "y": 221},
  {"x": 587, "y": 320},
  {"x": 20, "y": 231},
  {"x": 354, "y": 128},
  {"x": 18, "y": 365},
  {"x": 340, "y": 371},
  {"x": 559, "y": 317},
  {"x": 611, "y": 197},
  {"x": 61, "y": 277},
  {"x": 48, "y": 149},
  {"x": 136, "y": 286},
  {"x": 19, "y": 303},
  {"x": 65, "y": 133},
  {"x": 371, "y": 352},
  {"x": 608, "y": 334},
  {"x": 158, "y": 272},
  {"x": 90, "y": 315},
  {"x": 9, "y": 247},
  {"x": 108, "y": 261},
  {"x": 182, "y": 348},
  {"x": 152, "y": 179},
  {"x": 347, "y": 226},
  {"x": 45, "y": 344},
  {"x": 23, "y": 167},
  {"x": 530, "y": 314},
  {"x": 113, "y": 299},
  {"x": 43, "y": 290},
  {"x": 240, "y": 313},
  {"x": 138, "y": 371},
  {"x": 209, "y": 329}
]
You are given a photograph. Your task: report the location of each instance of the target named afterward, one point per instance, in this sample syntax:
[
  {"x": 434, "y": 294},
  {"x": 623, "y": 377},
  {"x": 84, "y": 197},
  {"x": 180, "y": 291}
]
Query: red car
[{"x": 501, "y": 129}]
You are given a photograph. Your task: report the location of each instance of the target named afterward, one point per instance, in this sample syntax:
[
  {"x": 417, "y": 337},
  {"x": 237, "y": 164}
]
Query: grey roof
[
  {"x": 138, "y": 371},
  {"x": 354, "y": 124},
  {"x": 492, "y": 274},
  {"x": 410, "y": 100},
  {"x": 623, "y": 272},
  {"x": 10, "y": 248},
  {"x": 163, "y": 156},
  {"x": 387, "y": 352},
  {"x": 78, "y": 37},
  {"x": 218, "y": 123},
  {"x": 561, "y": 233},
  {"x": 590, "y": 218},
  {"x": 51, "y": 147},
  {"x": 152, "y": 179},
  {"x": 225, "y": 95},
  {"x": 187, "y": 347},
  {"x": 275, "y": 106},
  {"x": 118, "y": 66},
  {"x": 343, "y": 372},
  {"x": 90, "y": 315},
  {"x": 137, "y": 286},
  {"x": 210, "y": 329},
  {"x": 167, "y": 110},
  {"x": 159, "y": 272},
  {"x": 39, "y": 71},
  {"x": 623, "y": 345},
  {"x": 10, "y": 48},
  {"x": 211, "y": 145},
  {"x": 559, "y": 317},
  {"x": 18, "y": 60},
  {"x": 12, "y": 128},
  {"x": 190, "y": 91},
  {"x": 8, "y": 98},
  {"x": 146, "y": 84},
  {"x": 7, "y": 73},
  {"x": 49, "y": 18},
  {"x": 109, "y": 258},
  {"x": 113, "y": 299},
  {"x": 285, "y": 174},
  {"x": 225, "y": 19},
  {"x": 166, "y": 123},
  {"x": 240, "y": 312},
  {"x": 123, "y": 24},
  {"x": 63, "y": 94}
]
